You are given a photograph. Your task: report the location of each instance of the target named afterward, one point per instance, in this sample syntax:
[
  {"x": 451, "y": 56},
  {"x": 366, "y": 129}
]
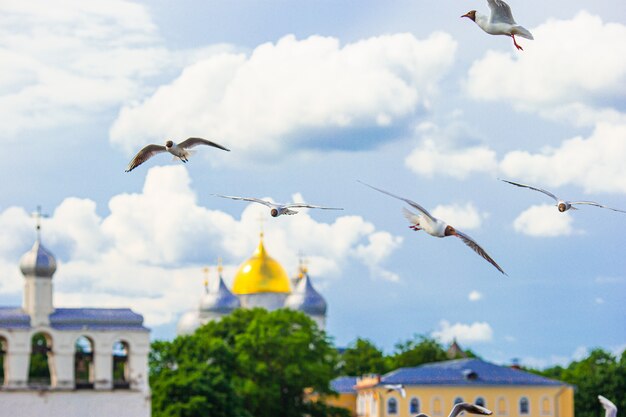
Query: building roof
[
  {"x": 14, "y": 318},
  {"x": 261, "y": 273},
  {"x": 344, "y": 384},
  {"x": 220, "y": 300},
  {"x": 464, "y": 372},
  {"x": 96, "y": 319},
  {"x": 306, "y": 299}
]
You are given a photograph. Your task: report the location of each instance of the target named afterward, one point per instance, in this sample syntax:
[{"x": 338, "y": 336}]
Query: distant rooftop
[
  {"x": 344, "y": 384},
  {"x": 464, "y": 372}
]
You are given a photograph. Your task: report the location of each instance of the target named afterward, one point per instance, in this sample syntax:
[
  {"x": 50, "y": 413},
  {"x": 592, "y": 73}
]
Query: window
[
  {"x": 83, "y": 363},
  {"x": 414, "y": 406},
  {"x": 502, "y": 409},
  {"x": 458, "y": 400},
  {"x": 3, "y": 352},
  {"x": 39, "y": 369},
  {"x": 523, "y": 405},
  {"x": 121, "y": 370},
  {"x": 437, "y": 406},
  {"x": 546, "y": 408},
  {"x": 392, "y": 406},
  {"x": 480, "y": 401}
]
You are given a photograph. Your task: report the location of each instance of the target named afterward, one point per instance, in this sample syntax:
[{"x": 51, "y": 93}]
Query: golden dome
[{"x": 261, "y": 273}]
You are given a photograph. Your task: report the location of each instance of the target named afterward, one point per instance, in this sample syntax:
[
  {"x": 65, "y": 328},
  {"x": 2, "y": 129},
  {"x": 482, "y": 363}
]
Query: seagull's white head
[
  {"x": 274, "y": 212},
  {"x": 449, "y": 231},
  {"x": 470, "y": 15},
  {"x": 169, "y": 144}
]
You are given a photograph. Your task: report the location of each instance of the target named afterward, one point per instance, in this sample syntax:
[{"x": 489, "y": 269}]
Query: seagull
[
  {"x": 500, "y": 22},
  {"x": 435, "y": 227},
  {"x": 179, "y": 151},
  {"x": 611, "y": 409},
  {"x": 277, "y": 209},
  {"x": 396, "y": 387},
  {"x": 460, "y": 407},
  {"x": 563, "y": 205}
]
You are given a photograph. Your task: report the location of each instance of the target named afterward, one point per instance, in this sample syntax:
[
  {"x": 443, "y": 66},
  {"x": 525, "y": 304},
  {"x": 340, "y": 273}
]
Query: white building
[
  {"x": 68, "y": 362},
  {"x": 260, "y": 281}
]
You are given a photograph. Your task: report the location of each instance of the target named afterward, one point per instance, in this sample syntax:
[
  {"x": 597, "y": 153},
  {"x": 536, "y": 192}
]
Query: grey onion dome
[
  {"x": 306, "y": 299},
  {"x": 38, "y": 262},
  {"x": 188, "y": 323},
  {"x": 220, "y": 301}
]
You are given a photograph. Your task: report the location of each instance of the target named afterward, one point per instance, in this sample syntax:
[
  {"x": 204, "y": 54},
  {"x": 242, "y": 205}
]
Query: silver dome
[
  {"x": 220, "y": 301},
  {"x": 38, "y": 262},
  {"x": 188, "y": 323},
  {"x": 306, "y": 299}
]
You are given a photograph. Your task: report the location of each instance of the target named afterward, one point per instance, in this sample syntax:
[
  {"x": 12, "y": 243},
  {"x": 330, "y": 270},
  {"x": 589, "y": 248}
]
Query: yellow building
[{"x": 434, "y": 388}]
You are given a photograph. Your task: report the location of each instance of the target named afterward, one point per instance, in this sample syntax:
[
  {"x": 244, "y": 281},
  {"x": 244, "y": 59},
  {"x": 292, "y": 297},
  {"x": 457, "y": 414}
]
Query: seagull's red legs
[{"x": 519, "y": 48}]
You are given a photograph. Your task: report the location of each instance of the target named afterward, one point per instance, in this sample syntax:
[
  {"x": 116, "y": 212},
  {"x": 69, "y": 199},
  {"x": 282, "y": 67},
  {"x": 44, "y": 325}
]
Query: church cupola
[
  {"x": 306, "y": 299},
  {"x": 219, "y": 300},
  {"x": 38, "y": 265}
]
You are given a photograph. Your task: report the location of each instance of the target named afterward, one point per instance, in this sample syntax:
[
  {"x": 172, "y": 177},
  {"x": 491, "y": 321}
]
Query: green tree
[
  {"x": 363, "y": 357},
  {"x": 417, "y": 351},
  {"x": 600, "y": 373},
  {"x": 251, "y": 363}
]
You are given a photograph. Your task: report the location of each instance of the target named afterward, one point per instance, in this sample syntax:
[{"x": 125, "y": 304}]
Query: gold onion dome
[{"x": 261, "y": 273}]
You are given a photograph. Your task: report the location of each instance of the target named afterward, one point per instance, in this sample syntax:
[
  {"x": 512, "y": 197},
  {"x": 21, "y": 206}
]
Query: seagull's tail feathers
[{"x": 523, "y": 32}]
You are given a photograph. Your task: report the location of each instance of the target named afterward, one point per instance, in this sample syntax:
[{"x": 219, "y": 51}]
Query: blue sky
[{"x": 310, "y": 97}]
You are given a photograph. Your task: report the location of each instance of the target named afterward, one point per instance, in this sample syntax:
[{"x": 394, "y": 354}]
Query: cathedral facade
[{"x": 260, "y": 281}]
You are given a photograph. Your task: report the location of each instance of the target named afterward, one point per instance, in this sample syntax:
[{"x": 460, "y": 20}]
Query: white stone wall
[
  {"x": 61, "y": 358},
  {"x": 78, "y": 403},
  {"x": 268, "y": 300}
]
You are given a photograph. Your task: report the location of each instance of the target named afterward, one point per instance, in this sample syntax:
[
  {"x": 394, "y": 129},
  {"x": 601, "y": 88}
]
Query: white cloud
[
  {"x": 560, "y": 68},
  {"x": 476, "y": 332},
  {"x": 430, "y": 158},
  {"x": 287, "y": 93},
  {"x": 543, "y": 221},
  {"x": 465, "y": 217},
  {"x": 149, "y": 250},
  {"x": 595, "y": 163},
  {"x": 475, "y": 296}
]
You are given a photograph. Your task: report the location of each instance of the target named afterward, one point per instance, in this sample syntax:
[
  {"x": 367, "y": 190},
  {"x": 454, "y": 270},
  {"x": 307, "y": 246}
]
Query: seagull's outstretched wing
[
  {"x": 548, "y": 193},
  {"x": 611, "y": 409},
  {"x": 500, "y": 12},
  {"x": 252, "y": 199},
  {"x": 406, "y": 200},
  {"x": 593, "y": 203},
  {"x": 191, "y": 142},
  {"x": 143, "y": 155},
  {"x": 470, "y": 408},
  {"x": 396, "y": 387},
  {"x": 304, "y": 205},
  {"x": 476, "y": 248}
]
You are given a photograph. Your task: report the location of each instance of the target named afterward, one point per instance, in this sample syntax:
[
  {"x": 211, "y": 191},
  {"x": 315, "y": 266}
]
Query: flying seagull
[
  {"x": 178, "y": 150},
  {"x": 611, "y": 409},
  {"x": 460, "y": 407},
  {"x": 396, "y": 387},
  {"x": 278, "y": 209},
  {"x": 500, "y": 22},
  {"x": 562, "y": 205},
  {"x": 435, "y": 227}
]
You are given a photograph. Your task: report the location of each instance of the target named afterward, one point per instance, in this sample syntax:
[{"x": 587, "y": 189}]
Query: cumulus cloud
[
  {"x": 431, "y": 158},
  {"x": 560, "y": 69},
  {"x": 465, "y": 217},
  {"x": 543, "y": 221},
  {"x": 594, "y": 163},
  {"x": 71, "y": 59},
  {"x": 290, "y": 93},
  {"x": 148, "y": 251},
  {"x": 475, "y": 296},
  {"x": 477, "y": 332}
]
